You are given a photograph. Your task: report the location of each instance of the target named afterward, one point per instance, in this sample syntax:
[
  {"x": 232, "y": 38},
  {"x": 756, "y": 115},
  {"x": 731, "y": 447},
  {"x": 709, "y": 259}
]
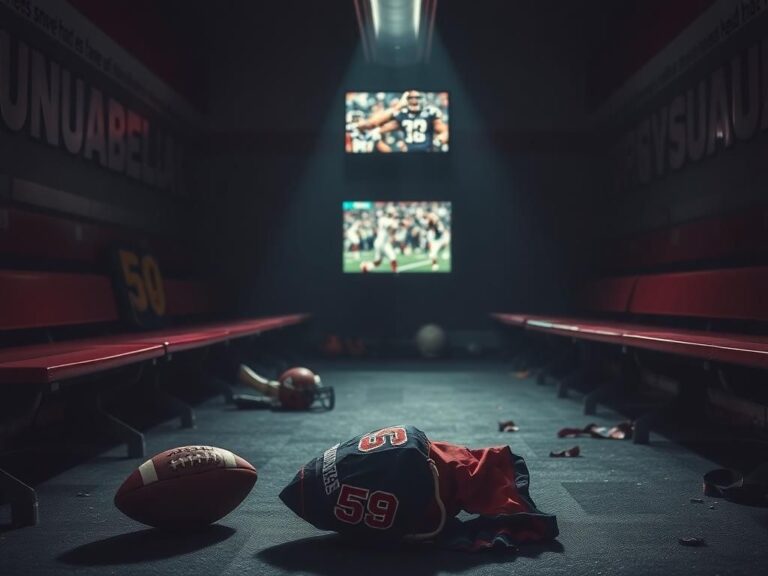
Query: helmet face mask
[
  {"x": 325, "y": 398},
  {"x": 301, "y": 389}
]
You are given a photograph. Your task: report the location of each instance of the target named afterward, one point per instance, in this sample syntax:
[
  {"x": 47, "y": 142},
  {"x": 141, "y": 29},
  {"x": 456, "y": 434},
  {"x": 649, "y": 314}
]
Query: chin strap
[{"x": 440, "y": 505}]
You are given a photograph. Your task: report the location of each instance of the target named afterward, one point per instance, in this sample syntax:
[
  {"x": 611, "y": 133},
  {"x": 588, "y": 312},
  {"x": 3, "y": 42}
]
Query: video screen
[
  {"x": 397, "y": 122},
  {"x": 397, "y": 237}
]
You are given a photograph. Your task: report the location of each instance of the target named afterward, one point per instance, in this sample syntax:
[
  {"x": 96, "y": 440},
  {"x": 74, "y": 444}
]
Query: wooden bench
[
  {"x": 635, "y": 312},
  {"x": 41, "y": 305},
  {"x": 45, "y": 300}
]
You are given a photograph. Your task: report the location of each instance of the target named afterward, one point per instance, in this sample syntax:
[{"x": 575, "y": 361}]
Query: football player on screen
[
  {"x": 352, "y": 240},
  {"x": 363, "y": 141},
  {"x": 387, "y": 225},
  {"x": 422, "y": 125},
  {"x": 438, "y": 237}
]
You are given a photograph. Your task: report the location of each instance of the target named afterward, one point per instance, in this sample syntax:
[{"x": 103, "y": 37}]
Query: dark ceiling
[{"x": 546, "y": 51}]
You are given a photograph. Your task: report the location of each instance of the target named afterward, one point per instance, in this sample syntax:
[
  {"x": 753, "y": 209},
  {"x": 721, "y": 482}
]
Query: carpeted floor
[{"x": 621, "y": 507}]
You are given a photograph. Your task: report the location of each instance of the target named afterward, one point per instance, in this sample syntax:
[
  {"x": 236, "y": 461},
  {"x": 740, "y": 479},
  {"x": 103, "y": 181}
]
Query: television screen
[
  {"x": 397, "y": 122},
  {"x": 397, "y": 237}
]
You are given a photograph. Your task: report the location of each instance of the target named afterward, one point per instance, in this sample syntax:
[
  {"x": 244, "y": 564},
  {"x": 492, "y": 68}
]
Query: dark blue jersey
[
  {"x": 376, "y": 485},
  {"x": 418, "y": 127}
]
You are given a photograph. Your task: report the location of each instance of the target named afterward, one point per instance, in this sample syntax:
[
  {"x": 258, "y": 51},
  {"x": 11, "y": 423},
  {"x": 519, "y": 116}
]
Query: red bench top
[
  {"x": 48, "y": 299},
  {"x": 201, "y": 335},
  {"x": 45, "y": 363},
  {"x": 727, "y": 294},
  {"x": 254, "y": 326},
  {"x": 511, "y": 319},
  {"x": 743, "y": 349},
  {"x": 172, "y": 340}
]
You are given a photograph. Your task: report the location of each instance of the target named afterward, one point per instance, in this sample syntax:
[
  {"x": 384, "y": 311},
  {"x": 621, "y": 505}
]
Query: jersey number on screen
[{"x": 415, "y": 131}]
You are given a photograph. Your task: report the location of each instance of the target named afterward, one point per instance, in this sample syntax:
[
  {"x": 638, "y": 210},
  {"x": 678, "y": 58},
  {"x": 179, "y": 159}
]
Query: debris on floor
[
  {"x": 621, "y": 431},
  {"x": 569, "y": 453},
  {"x": 692, "y": 541},
  {"x": 508, "y": 426},
  {"x": 732, "y": 485}
]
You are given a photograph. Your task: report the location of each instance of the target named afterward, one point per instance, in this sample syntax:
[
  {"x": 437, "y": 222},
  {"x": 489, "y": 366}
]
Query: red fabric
[
  {"x": 733, "y": 294},
  {"x": 186, "y": 298},
  {"x": 492, "y": 483},
  {"x": 43, "y": 299},
  {"x": 733, "y": 236},
  {"x": 477, "y": 481},
  {"x": 31, "y": 235}
]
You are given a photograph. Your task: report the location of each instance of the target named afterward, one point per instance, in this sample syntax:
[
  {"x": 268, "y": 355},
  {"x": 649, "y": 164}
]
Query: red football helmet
[{"x": 300, "y": 388}]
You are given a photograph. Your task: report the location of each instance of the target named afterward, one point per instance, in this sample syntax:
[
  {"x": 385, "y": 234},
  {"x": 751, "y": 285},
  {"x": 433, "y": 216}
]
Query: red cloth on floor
[
  {"x": 493, "y": 483},
  {"x": 477, "y": 481}
]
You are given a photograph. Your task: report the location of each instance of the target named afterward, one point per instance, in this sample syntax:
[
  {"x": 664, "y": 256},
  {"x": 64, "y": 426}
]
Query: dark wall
[
  {"x": 519, "y": 165},
  {"x": 40, "y": 171},
  {"x": 637, "y": 197}
]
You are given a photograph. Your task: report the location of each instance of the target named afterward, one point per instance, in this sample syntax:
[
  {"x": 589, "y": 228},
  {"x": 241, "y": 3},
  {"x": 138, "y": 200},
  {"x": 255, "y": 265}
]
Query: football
[{"x": 186, "y": 487}]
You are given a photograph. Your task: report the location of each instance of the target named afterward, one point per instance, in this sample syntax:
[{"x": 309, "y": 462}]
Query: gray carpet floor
[{"x": 621, "y": 507}]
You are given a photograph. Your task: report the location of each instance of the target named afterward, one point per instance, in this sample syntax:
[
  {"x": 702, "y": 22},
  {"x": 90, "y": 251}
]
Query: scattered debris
[
  {"x": 621, "y": 431},
  {"x": 692, "y": 541},
  {"x": 732, "y": 485},
  {"x": 508, "y": 426},
  {"x": 697, "y": 501},
  {"x": 570, "y": 453}
]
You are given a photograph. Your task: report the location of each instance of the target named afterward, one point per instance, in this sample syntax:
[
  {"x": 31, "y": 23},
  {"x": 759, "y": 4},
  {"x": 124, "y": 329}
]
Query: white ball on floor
[{"x": 430, "y": 340}]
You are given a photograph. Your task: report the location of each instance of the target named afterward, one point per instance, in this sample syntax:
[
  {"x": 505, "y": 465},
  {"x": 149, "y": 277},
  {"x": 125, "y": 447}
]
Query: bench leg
[
  {"x": 222, "y": 387},
  {"x": 185, "y": 412},
  {"x": 567, "y": 382},
  {"x": 23, "y": 499},
  {"x": 133, "y": 439},
  {"x": 592, "y": 399},
  {"x": 642, "y": 429},
  {"x": 599, "y": 394},
  {"x": 541, "y": 377},
  {"x": 645, "y": 422}
]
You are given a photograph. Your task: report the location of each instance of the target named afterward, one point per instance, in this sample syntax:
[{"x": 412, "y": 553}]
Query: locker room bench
[
  {"x": 44, "y": 301},
  {"x": 637, "y": 312}
]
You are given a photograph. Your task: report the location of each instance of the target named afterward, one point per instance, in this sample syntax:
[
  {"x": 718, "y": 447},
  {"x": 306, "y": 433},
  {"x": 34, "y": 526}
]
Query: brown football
[{"x": 186, "y": 487}]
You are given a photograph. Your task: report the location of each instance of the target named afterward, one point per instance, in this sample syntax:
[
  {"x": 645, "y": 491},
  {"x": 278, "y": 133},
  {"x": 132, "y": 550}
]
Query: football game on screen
[
  {"x": 397, "y": 122},
  {"x": 397, "y": 237}
]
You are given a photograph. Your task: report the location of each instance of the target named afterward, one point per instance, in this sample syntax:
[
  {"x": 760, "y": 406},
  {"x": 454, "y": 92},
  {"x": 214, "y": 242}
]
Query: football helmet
[{"x": 301, "y": 389}]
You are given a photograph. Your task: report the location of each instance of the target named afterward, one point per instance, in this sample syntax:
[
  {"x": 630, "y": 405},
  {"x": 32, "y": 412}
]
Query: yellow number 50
[{"x": 142, "y": 276}]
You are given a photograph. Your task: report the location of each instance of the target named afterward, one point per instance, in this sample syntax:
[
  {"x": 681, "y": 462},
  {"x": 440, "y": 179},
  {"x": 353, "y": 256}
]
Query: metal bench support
[{"x": 23, "y": 500}]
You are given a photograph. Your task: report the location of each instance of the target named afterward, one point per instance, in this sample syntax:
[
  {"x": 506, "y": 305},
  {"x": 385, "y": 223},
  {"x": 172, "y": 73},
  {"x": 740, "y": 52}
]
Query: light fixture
[{"x": 396, "y": 32}]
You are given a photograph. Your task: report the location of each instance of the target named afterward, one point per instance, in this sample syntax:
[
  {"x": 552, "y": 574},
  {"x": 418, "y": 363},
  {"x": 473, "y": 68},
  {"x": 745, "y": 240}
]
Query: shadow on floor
[
  {"x": 332, "y": 555},
  {"x": 143, "y": 546}
]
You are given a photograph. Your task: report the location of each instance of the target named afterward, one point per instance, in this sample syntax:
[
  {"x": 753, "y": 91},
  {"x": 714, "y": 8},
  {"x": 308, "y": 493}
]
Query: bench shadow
[
  {"x": 143, "y": 546},
  {"x": 333, "y": 555}
]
